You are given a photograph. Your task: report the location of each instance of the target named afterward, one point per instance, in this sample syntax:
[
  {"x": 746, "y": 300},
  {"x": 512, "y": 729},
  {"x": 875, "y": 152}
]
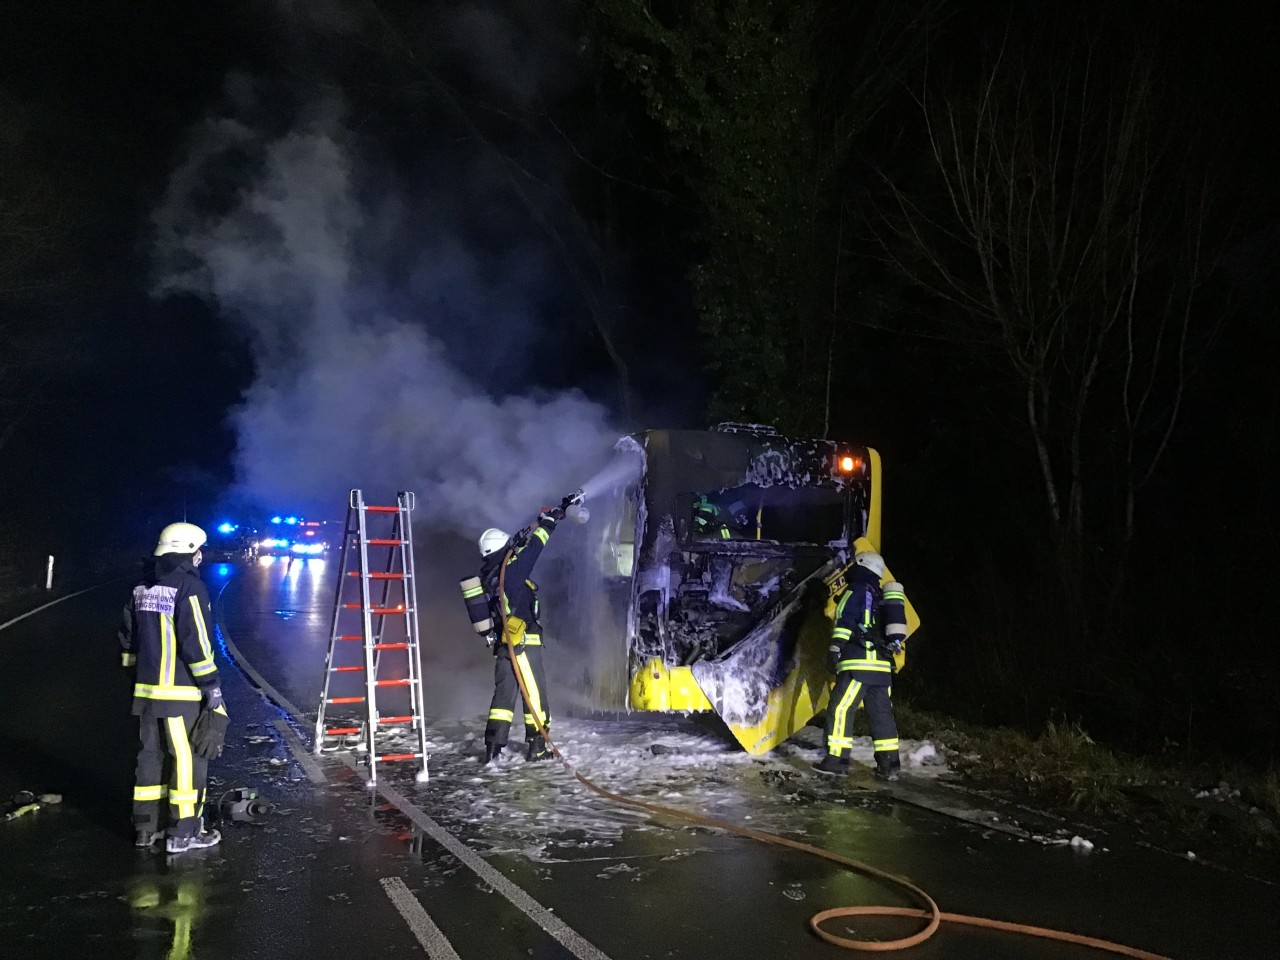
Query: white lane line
[
  {"x": 259, "y": 680},
  {"x": 300, "y": 753},
  {"x": 552, "y": 925},
  {"x": 54, "y": 603},
  {"x": 556, "y": 928},
  {"x": 424, "y": 928}
]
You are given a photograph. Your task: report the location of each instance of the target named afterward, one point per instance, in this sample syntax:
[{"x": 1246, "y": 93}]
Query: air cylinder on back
[
  {"x": 477, "y": 602},
  {"x": 893, "y": 614}
]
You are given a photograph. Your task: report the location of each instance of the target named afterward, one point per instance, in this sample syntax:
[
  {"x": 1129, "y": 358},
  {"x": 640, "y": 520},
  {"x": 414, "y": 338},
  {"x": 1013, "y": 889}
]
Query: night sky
[
  {"x": 164, "y": 136},
  {"x": 117, "y": 95}
]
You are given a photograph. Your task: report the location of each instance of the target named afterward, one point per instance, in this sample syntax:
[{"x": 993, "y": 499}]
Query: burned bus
[{"x": 722, "y": 560}]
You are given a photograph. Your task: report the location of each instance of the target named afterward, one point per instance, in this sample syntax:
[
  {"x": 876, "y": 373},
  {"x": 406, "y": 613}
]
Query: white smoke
[
  {"x": 397, "y": 312},
  {"x": 348, "y": 392}
]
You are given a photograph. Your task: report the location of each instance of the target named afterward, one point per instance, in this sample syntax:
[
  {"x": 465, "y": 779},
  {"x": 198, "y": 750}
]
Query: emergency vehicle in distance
[
  {"x": 723, "y": 564},
  {"x": 292, "y": 536}
]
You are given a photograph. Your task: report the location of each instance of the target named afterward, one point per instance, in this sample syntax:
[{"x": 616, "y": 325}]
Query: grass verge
[{"x": 1064, "y": 767}]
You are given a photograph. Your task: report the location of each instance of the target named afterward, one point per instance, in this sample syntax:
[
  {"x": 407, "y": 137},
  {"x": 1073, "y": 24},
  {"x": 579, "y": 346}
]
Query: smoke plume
[
  {"x": 351, "y": 387},
  {"x": 401, "y": 314}
]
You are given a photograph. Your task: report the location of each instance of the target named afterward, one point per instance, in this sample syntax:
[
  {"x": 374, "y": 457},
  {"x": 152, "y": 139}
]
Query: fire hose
[{"x": 929, "y": 912}]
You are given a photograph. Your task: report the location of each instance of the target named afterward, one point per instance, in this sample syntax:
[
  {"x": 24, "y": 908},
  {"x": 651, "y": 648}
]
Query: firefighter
[
  {"x": 862, "y": 660},
  {"x": 709, "y": 521},
  {"x": 516, "y": 605},
  {"x": 165, "y": 640}
]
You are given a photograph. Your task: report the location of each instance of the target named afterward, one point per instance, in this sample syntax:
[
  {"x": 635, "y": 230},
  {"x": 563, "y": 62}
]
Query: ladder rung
[{"x": 356, "y": 535}]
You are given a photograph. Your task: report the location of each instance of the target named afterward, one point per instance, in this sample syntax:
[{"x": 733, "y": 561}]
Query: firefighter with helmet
[
  {"x": 869, "y": 629},
  {"x": 165, "y": 640},
  {"x": 515, "y": 605}
]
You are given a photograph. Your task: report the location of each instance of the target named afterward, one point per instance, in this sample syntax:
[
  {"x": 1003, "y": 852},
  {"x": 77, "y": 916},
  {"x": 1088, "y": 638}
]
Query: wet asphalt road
[{"x": 315, "y": 881}]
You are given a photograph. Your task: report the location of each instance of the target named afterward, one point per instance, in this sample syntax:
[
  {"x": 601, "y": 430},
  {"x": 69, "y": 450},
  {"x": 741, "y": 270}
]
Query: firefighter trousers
[
  {"x": 169, "y": 778},
  {"x": 506, "y": 689},
  {"x": 848, "y": 693}
]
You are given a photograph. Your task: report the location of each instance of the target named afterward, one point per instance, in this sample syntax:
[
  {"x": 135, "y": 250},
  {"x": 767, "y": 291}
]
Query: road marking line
[
  {"x": 420, "y": 923},
  {"x": 552, "y": 925},
  {"x": 54, "y": 603},
  {"x": 300, "y": 753},
  {"x": 259, "y": 680}
]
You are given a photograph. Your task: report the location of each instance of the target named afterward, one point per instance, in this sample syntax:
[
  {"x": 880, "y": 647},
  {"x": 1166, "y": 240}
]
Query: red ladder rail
[{"x": 392, "y": 610}]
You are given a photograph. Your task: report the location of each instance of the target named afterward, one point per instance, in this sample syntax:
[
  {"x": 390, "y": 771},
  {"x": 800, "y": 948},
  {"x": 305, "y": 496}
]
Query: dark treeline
[{"x": 1025, "y": 251}]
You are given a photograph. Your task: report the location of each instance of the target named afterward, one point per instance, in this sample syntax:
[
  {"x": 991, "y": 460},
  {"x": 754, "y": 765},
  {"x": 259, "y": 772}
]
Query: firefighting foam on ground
[
  {"x": 464, "y": 628},
  {"x": 338, "y": 855}
]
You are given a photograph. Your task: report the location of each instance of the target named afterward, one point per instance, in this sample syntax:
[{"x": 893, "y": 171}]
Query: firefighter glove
[
  {"x": 550, "y": 516},
  {"x": 515, "y": 632},
  {"x": 213, "y": 698},
  {"x": 209, "y": 732}
]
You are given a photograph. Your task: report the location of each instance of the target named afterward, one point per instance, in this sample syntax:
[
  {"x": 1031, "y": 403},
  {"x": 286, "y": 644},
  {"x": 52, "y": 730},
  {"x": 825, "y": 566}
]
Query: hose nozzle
[{"x": 574, "y": 499}]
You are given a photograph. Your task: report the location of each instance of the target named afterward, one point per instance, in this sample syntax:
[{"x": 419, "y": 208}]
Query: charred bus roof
[{"x": 794, "y": 493}]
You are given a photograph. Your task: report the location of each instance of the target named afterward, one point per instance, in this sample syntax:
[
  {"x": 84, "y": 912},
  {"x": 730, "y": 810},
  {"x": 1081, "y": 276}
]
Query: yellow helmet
[{"x": 180, "y": 538}]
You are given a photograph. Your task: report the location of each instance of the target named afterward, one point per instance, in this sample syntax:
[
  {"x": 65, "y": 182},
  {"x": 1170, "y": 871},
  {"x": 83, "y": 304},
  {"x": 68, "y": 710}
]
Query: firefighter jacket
[
  {"x": 708, "y": 520},
  {"x": 520, "y": 594},
  {"x": 857, "y": 643},
  {"x": 165, "y": 636}
]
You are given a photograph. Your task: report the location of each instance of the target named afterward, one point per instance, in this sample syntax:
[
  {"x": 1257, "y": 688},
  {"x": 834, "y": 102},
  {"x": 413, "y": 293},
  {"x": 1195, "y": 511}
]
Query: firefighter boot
[
  {"x": 537, "y": 749},
  {"x": 833, "y": 765},
  {"x": 492, "y": 751},
  {"x": 888, "y": 767},
  {"x": 142, "y": 839},
  {"x": 201, "y": 841}
]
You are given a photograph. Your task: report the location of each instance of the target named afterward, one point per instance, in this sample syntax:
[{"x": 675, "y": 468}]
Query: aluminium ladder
[{"x": 374, "y": 616}]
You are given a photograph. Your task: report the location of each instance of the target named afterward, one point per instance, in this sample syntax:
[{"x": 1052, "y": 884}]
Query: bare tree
[{"x": 1067, "y": 236}]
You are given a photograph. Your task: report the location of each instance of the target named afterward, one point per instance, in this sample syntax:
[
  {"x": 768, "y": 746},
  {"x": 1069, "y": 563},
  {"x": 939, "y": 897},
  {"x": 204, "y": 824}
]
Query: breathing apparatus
[
  {"x": 476, "y": 597},
  {"x": 243, "y": 805}
]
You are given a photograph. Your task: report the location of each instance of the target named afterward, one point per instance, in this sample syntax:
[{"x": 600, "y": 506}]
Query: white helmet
[
  {"x": 180, "y": 538},
  {"x": 871, "y": 561},
  {"x": 492, "y": 540}
]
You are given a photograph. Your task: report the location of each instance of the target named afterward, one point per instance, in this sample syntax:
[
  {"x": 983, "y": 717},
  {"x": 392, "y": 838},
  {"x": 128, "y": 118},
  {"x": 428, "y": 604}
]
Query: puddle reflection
[{"x": 173, "y": 903}]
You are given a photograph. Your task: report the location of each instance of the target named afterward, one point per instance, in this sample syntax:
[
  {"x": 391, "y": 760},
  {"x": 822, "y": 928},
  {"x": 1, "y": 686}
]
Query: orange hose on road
[{"x": 930, "y": 911}]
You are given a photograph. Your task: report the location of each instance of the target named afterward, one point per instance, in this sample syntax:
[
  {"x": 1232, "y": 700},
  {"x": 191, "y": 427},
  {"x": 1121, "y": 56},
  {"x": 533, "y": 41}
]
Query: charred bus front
[{"x": 725, "y": 553}]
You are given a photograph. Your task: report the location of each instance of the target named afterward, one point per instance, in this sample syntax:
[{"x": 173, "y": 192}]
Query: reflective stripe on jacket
[
  {"x": 520, "y": 596},
  {"x": 166, "y": 633},
  {"x": 856, "y": 633}
]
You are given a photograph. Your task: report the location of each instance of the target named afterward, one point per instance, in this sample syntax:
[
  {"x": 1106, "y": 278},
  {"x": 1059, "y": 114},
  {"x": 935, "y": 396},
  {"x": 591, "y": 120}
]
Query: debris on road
[
  {"x": 1081, "y": 845},
  {"x": 24, "y": 802}
]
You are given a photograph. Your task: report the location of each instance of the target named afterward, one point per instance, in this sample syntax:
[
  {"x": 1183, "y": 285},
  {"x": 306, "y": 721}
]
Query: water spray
[{"x": 626, "y": 467}]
